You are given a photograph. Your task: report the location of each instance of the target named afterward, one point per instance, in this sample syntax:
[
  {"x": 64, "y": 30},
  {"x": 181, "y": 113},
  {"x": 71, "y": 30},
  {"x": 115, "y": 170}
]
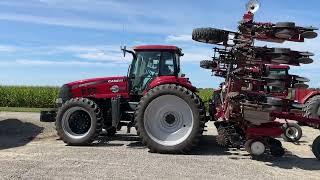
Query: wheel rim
[
  {"x": 168, "y": 120},
  {"x": 76, "y": 122},
  {"x": 292, "y": 133},
  {"x": 257, "y": 148}
]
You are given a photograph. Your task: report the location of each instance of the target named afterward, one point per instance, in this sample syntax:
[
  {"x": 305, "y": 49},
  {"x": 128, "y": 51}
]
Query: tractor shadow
[
  {"x": 290, "y": 161},
  {"x": 118, "y": 140},
  {"x": 209, "y": 147},
  {"x": 15, "y": 133}
]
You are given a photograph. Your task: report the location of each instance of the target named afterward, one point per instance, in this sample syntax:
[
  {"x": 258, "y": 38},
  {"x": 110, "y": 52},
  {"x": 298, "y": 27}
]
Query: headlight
[{"x": 59, "y": 101}]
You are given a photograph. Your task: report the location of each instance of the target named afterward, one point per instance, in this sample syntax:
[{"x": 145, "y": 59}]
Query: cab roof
[
  {"x": 278, "y": 66},
  {"x": 156, "y": 47}
]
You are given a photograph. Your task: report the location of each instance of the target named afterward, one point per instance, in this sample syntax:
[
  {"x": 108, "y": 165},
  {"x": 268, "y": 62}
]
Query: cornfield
[
  {"x": 28, "y": 97},
  {"x": 44, "y": 97}
]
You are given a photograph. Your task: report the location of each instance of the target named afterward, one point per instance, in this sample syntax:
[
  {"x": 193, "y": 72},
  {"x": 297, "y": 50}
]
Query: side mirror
[
  {"x": 183, "y": 75},
  {"x": 124, "y": 50}
]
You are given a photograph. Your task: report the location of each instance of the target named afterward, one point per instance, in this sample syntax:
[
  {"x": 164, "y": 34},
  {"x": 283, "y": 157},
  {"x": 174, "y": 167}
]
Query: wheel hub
[
  {"x": 292, "y": 132},
  {"x": 76, "y": 122},
  {"x": 257, "y": 148},
  {"x": 170, "y": 119}
]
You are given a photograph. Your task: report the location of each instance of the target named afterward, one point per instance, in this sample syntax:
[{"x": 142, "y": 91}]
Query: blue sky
[{"x": 51, "y": 42}]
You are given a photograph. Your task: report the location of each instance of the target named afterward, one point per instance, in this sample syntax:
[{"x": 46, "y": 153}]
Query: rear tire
[
  {"x": 170, "y": 119},
  {"x": 79, "y": 121},
  {"x": 312, "y": 109}
]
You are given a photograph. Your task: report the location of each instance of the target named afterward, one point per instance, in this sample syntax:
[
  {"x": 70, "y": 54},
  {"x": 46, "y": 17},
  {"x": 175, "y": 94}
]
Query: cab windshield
[{"x": 277, "y": 89}]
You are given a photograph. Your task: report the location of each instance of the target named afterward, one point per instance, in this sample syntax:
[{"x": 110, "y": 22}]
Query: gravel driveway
[{"x": 29, "y": 149}]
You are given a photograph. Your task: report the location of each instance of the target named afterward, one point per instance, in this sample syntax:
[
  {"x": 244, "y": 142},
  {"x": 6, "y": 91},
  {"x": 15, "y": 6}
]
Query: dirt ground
[{"x": 29, "y": 149}]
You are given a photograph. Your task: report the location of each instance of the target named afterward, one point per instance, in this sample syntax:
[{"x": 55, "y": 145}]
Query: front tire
[
  {"x": 170, "y": 119},
  {"x": 79, "y": 121}
]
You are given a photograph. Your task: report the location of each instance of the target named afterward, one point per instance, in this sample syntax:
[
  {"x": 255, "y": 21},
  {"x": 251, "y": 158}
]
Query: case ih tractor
[{"x": 154, "y": 97}]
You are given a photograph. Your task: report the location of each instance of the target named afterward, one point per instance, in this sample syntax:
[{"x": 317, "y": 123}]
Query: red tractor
[
  {"x": 154, "y": 97},
  {"x": 308, "y": 100}
]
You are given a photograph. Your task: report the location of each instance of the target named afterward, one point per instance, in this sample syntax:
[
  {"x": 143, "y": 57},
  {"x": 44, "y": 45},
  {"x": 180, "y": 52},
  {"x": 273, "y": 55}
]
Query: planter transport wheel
[
  {"x": 210, "y": 35},
  {"x": 309, "y": 35},
  {"x": 292, "y": 132},
  {"x": 305, "y": 60},
  {"x": 257, "y": 148},
  {"x": 316, "y": 147},
  {"x": 207, "y": 64},
  {"x": 170, "y": 119},
  {"x": 285, "y": 25}
]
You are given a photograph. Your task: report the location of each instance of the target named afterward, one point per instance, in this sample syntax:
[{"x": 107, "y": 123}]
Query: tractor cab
[
  {"x": 277, "y": 71},
  {"x": 150, "y": 62}
]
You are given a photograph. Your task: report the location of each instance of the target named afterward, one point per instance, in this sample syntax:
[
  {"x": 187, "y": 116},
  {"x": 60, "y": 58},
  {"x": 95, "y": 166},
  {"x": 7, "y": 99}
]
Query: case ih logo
[{"x": 115, "y": 80}]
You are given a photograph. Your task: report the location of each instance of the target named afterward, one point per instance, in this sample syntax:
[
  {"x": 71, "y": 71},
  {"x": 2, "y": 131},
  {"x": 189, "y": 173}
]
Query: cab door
[{"x": 144, "y": 68}]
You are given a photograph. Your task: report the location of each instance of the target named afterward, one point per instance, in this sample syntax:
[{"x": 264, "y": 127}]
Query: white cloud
[
  {"x": 182, "y": 38},
  {"x": 62, "y": 63},
  {"x": 102, "y": 56},
  {"x": 7, "y": 48},
  {"x": 135, "y": 26},
  {"x": 81, "y": 23},
  {"x": 97, "y": 52}
]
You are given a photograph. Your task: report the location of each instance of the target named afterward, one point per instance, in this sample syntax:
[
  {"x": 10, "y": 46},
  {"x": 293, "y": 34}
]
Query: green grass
[
  {"x": 205, "y": 94},
  {"x": 19, "y": 109},
  {"x": 28, "y": 97}
]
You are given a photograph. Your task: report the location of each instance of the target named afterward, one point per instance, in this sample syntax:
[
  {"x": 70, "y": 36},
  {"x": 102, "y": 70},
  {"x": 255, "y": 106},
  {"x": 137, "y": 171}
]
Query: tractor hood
[
  {"x": 95, "y": 81},
  {"x": 105, "y": 87}
]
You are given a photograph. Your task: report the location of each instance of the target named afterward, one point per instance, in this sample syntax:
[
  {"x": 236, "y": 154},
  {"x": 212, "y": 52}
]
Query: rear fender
[
  {"x": 309, "y": 96},
  {"x": 303, "y": 95},
  {"x": 184, "y": 82}
]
